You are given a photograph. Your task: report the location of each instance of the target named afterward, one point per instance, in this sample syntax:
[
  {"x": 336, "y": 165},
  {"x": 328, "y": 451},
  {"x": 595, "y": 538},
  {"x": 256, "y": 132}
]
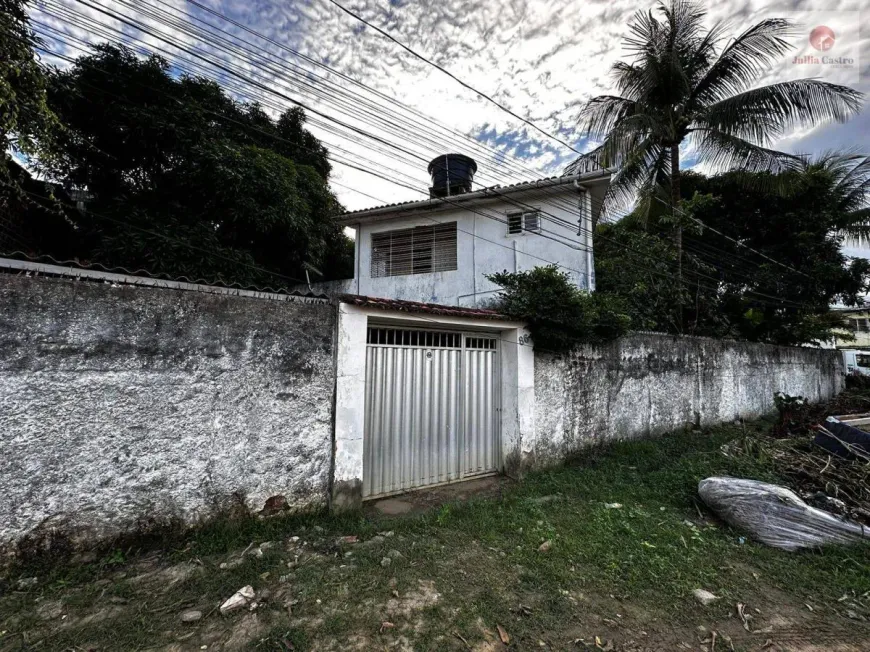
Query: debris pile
[{"x": 825, "y": 458}]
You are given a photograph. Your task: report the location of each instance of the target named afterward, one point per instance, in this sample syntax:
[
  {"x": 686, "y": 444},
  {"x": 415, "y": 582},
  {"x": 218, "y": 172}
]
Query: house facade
[
  {"x": 856, "y": 331},
  {"x": 440, "y": 250}
]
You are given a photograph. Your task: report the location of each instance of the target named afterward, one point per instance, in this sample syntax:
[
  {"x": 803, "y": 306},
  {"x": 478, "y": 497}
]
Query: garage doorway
[{"x": 432, "y": 408}]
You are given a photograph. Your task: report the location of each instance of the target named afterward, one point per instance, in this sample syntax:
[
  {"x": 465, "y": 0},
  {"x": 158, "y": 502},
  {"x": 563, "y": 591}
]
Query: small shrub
[
  {"x": 792, "y": 413},
  {"x": 558, "y": 313}
]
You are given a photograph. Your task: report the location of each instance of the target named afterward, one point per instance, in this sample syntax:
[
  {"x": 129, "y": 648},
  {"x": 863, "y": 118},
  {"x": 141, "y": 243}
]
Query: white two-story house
[
  {"x": 431, "y": 385},
  {"x": 440, "y": 250}
]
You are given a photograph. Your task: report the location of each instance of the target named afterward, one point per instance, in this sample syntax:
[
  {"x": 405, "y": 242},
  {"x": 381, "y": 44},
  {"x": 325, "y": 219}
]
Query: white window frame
[{"x": 524, "y": 221}]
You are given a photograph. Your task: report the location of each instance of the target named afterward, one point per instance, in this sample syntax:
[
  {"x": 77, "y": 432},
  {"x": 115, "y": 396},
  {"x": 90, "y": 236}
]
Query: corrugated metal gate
[{"x": 432, "y": 408}]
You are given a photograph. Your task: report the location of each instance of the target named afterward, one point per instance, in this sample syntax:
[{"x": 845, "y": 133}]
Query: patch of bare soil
[
  {"x": 423, "y": 500},
  {"x": 770, "y": 620},
  {"x": 390, "y": 618}
]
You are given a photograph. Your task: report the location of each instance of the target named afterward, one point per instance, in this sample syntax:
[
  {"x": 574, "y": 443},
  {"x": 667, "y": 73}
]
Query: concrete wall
[
  {"x": 122, "y": 406},
  {"x": 484, "y": 246},
  {"x": 647, "y": 384}
]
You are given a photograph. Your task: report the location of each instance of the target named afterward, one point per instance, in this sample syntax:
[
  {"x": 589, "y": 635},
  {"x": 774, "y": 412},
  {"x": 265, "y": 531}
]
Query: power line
[
  {"x": 372, "y": 172},
  {"x": 689, "y": 282},
  {"x": 453, "y": 77},
  {"x": 184, "y": 27},
  {"x": 369, "y": 171},
  {"x": 737, "y": 242}
]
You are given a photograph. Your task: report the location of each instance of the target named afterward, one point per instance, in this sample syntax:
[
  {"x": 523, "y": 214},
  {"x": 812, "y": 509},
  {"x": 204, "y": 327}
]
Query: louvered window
[
  {"x": 520, "y": 222},
  {"x": 420, "y": 250}
]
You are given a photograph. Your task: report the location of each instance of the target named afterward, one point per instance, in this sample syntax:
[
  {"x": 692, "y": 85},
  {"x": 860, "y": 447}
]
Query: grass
[{"x": 641, "y": 561}]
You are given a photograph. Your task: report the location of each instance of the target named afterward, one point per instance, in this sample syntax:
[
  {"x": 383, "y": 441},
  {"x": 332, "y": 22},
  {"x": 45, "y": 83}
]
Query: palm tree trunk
[{"x": 675, "y": 200}]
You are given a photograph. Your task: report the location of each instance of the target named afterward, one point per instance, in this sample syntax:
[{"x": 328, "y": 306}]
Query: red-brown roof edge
[{"x": 420, "y": 307}]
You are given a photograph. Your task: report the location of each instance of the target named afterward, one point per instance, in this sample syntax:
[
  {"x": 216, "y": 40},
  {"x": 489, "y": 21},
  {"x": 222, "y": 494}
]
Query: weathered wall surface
[
  {"x": 123, "y": 405},
  {"x": 647, "y": 384}
]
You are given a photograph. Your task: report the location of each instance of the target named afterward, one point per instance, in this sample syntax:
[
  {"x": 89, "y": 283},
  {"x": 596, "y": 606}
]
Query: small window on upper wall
[{"x": 521, "y": 222}]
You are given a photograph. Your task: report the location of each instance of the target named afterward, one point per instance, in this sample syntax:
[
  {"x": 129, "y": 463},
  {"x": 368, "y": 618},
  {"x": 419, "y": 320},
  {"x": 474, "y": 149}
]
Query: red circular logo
[{"x": 822, "y": 38}]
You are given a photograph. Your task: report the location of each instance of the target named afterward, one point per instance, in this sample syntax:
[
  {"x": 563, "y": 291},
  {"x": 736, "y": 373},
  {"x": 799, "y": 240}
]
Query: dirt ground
[{"x": 603, "y": 554}]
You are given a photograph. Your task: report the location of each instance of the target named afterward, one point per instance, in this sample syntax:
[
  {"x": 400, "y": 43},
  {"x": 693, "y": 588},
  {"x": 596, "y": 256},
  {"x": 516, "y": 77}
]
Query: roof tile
[{"x": 420, "y": 307}]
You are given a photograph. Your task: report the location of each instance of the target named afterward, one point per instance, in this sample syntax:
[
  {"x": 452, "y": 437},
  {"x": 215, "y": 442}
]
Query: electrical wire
[
  {"x": 454, "y": 77},
  {"x": 550, "y": 216},
  {"x": 688, "y": 280}
]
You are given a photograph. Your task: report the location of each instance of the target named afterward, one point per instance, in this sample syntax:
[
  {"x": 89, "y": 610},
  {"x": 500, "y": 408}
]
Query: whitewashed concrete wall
[
  {"x": 647, "y": 384},
  {"x": 124, "y": 407}
]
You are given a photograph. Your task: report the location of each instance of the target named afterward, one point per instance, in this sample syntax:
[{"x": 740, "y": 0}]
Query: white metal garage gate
[{"x": 432, "y": 410}]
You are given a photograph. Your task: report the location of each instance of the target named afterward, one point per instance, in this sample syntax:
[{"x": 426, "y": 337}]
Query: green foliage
[
  {"x": 638, "y": 267},
  {"x": 728, "y": 290},
  {"x": 683, "y": 84},
  {"x": 24, "y": 114},
  {"x": 25, "y": 121},
  {"x": 787, "y": 301},
  {"x": 559, "y": 314},
  {"x": 186, "y": 181},
  {"x": 792, "y": 412}
]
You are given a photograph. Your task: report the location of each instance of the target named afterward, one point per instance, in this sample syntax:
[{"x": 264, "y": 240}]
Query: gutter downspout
[
  {"x": 474, "y": 258},
  {"x": 585, "y": 206},
  {"x": 358, "y": 254}
]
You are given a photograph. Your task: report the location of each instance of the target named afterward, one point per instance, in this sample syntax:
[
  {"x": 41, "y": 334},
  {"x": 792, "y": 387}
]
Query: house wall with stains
[
  {"x": 123, "y": 408},
  {"x": 647, "y": 384},
  {"x": 484, "y": 246}
]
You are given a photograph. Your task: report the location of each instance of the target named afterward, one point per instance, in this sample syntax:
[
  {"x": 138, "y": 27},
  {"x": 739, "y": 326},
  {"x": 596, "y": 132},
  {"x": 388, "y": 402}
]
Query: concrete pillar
[{"x": 350, "y": 379}]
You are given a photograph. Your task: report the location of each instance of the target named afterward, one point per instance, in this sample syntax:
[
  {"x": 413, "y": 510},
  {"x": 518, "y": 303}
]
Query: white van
[{"x": 857, "y": 362}]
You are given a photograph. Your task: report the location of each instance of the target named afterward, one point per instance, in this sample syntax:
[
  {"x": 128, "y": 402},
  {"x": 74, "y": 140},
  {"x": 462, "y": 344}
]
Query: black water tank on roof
[{"x": 452, "y": 174}]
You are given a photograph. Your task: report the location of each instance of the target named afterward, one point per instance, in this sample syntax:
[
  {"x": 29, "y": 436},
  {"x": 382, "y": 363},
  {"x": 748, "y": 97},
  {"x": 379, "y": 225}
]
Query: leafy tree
[
  {"x": 639, "y": 267},
  {"x": 559, "y": 314},
  {"x": 782, "y": 293},
  {"x": 24, "y": 114},
  {"x": 785, "y": 295},
  {"x": 184, "y": 180},
  {"x": 30, "y": 220},
  {"x": 682, "y": 85}
]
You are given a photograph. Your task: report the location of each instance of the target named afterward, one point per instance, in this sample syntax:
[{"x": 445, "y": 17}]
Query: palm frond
[
  {"x": 743, "y": 60},
  {"x": 622, "y": 140},
  {"x": 705, "y": 53},
  {"x": 601, "y": 114},
  {"x": 726, "y": 151},
  {"x": 646, "y": 167},
  {"x": 859, "y": 232},
  {"x": 633, "y": 81},
  {"x": 662, "y": 50},
  {"x": 851, "y": 175},
  {"x": 645, "y": 33},
  {"x": 766, "y": 113}
]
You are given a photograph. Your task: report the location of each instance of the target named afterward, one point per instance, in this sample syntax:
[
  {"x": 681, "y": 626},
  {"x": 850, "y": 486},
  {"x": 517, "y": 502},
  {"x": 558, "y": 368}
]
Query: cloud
[{"x": 540, "y": 58}]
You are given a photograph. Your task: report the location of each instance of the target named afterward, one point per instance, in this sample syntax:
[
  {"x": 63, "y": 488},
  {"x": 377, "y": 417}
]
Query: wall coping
[{"x": 31, "y": 268}]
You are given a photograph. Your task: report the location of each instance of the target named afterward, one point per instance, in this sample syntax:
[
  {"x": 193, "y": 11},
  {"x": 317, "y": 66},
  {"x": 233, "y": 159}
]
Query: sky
[{"x": 380, "y": 108}]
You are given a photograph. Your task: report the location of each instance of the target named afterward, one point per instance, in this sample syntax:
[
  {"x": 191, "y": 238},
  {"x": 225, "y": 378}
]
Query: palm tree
[
  {"x": 683, "y": 85},
  {"x": 846, "y": 178}
]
